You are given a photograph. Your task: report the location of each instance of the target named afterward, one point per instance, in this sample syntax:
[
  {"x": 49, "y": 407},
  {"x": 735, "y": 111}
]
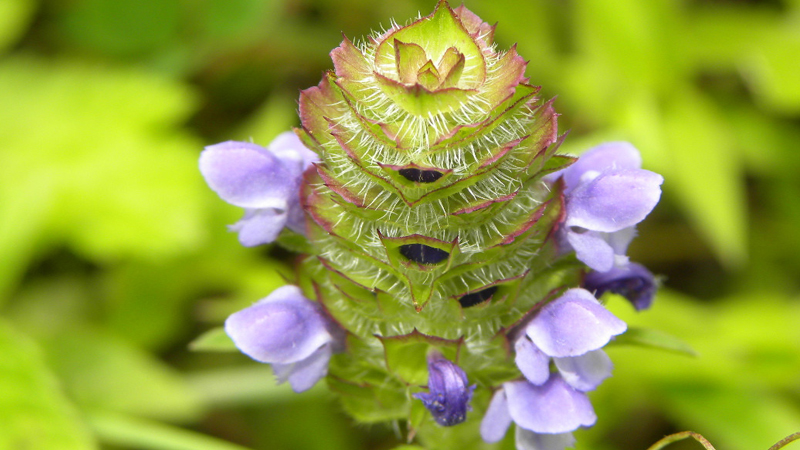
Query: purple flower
[
  {"x": 607, "y": 194},
  {"x": 263, "y": 181},
  {"x": 570, "y": 330},
  {"x": 632, "y": 281},
  {"x": 545, "y": 415},
  {"x": 290, "y": 332},
  {"x": 449, "y": 396}
]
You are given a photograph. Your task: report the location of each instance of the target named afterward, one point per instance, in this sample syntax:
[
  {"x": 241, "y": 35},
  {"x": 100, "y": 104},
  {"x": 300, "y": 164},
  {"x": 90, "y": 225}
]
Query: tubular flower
[
  {"x": 450, "y": 394},
  {"x": 607, "y": 193},
  {"x": 545, "y": 415},
  {"x": 632, "y": 281},
  {"x": 263, "y": 181},
  {"x": 571, "y": 330},
  {"x": 290, "y": 332}
]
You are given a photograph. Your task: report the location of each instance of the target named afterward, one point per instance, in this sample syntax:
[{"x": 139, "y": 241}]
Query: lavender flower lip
[
  {"x": 607, "y": 194},
  {"x": 264, "y": 181},
  {"x": 288, "y": 331},
  {"x": 438, "y": 220}
]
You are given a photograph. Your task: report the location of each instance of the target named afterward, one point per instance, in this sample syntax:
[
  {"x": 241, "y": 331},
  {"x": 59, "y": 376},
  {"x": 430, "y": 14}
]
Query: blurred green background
[{"x": 114, "y": 254}]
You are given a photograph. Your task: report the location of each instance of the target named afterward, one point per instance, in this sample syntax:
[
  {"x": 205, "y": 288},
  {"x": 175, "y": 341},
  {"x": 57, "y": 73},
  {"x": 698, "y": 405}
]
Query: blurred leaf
[
  {"x": 737, "y": 419},
  {"x": 229, "y": 21},
  {"x": 251, "y": 384},
  {"x": 48, "y": 307},
  {"x": 34, "y": 414},
  {"x": 735, "y": 391},
  {"x": 705, "y": 173},
  {"x": 722, "y": 37},
  {"x": 277, "y": 115},
  {"x": 773, "y": 69},
  {"x": 22, "y": 221},
  {"x": 102, "y": 372},
  {"x": 146, "y": 301},
  {"x": 653, "y": 338},
  {"x": 629, "y": 36},
  {"x": 213, "y": 340},
  {"x": 122, "y": 27},
  {"x": 100, "y": 160},
  {"x": 143, "y": 434},
  {"x": 15, "y": 16}
]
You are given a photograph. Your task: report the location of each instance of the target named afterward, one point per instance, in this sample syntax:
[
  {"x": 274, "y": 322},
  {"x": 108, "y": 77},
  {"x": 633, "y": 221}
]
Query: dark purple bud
[
  {"x": 632, "y": 281},
  {"x": 449, "y": 396}
]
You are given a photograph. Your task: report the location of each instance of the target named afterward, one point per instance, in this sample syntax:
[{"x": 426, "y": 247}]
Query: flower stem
[{"x": 666, "y": 440}]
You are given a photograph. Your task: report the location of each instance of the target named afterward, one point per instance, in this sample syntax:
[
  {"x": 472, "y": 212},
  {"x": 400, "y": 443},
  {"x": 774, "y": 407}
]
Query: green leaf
[
  {"x": 732, "y": 418},
  {"x": 275, "y": 116},
  {"x": 133, "y": 432},
  {"x": 704, "y": 172},
  {"x": 101, "y": 371},
  {"x": 251, "y": 384},
  {"x": 113, "y": 176},
  {"x": 122, "y": 27},
  {"x": 213, "y": 340},
  {"x": 655, "y": 339},
  {"x": 15, "y": 15},
  {"x": 34, "y": 414},
  {"x": 774, "y": 69}
]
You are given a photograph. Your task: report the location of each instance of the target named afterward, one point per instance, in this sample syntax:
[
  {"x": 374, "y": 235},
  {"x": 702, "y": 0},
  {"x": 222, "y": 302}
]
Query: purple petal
[
  {"x": 554, "y": 407},
  {"x": 283, "y": 328},
  {"x": 614, "y": 200},
  {"x": 528, "y": 440},
  {"x": 497, "y": 419},
  {"x": 250, "y": 176},
  {"x": 534, "y": 364},
  {"x": 449, "y": 396},
  {"x": 604, "y": 157},
  {"x": 259, "y": 226},
  {"x": 288, "y": 146},
  {"x": 592, "y": 249},
  {"x": 632, "y": 281},
  {"x": 573, "y": 324},
  {"x": 304, "y": 374},
  {"x": 587, "y": 371},
  {"x": 619, "y": 241},
  {"x": 296, "y": 218}
]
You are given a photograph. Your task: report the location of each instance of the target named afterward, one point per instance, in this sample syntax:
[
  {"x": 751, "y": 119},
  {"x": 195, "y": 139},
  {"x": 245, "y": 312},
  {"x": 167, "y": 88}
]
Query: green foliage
[
  {"x": 654, "y": 339},
  {"x": 104, "y": 373},
  {"x": 14, "y": 18},
  {"x": 213, "y": 340},
  {"x": 114, "y": 254},
  {"x": 34, "y": 413},
  {"x": 91, "y": 150}
]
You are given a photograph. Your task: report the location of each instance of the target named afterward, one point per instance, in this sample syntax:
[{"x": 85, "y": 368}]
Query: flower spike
[{"x": 437, "y": 218}]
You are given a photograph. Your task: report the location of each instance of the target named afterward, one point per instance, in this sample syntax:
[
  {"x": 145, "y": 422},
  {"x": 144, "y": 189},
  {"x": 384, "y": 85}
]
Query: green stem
[
  {"x": 666, "y": 440},
  {"x": 134, "y": 432},
  {"x": 785, "y": 441}
]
